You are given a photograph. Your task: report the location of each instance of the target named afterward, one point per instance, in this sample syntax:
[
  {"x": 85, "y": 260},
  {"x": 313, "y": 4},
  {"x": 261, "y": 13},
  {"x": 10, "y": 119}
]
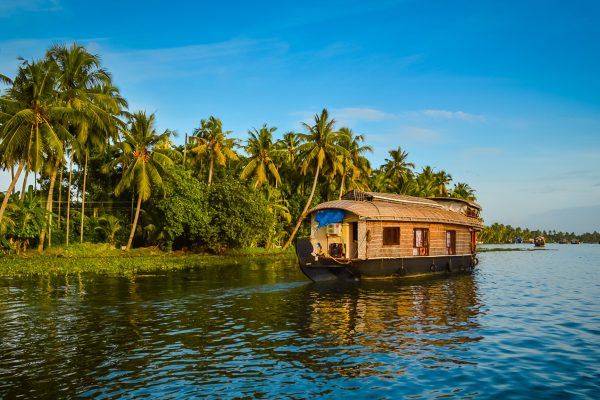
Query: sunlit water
[{"x": 524, "y": 325}]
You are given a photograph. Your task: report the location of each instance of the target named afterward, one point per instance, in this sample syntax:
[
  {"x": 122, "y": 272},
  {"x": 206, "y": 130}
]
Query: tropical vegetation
[
  {"x": 104, "y": 174},
  {"x": 500, "y": 233}
]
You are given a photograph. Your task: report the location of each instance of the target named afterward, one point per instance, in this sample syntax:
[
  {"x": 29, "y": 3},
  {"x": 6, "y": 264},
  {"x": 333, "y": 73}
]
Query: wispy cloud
[
  {"x": 8, "y": 7},
  {"x": 347, "y": 116},
  {"x": 350, "y": 115},
  {"x": 210, "y": 59},
  {"x": 457, "y": 115},
  {"x": 426, "y": 135}
]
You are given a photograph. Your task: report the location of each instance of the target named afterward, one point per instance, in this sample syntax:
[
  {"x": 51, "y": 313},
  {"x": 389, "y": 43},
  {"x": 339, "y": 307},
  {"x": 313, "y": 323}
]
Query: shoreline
[{"x": 111, "y": 262}]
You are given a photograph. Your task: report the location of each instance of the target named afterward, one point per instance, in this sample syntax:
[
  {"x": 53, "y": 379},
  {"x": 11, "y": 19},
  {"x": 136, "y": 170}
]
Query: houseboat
[
  {"x": 539, "y": 241},
  {"x": 371, "y": 235}
]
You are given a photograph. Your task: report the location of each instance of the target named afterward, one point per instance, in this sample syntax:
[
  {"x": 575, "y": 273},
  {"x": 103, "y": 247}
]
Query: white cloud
[
  {"x": 354, "y": 114},
  {"x": 348, "y": 116},
  {"x": 418, "y": 134},
  {"x": 459, "y": 115},
  {"x": 211, "y": 59}
]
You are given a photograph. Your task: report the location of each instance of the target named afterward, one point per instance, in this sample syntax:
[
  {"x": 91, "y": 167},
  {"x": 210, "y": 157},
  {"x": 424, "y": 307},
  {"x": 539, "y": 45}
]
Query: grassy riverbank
[{"x": 104, "y": 260}]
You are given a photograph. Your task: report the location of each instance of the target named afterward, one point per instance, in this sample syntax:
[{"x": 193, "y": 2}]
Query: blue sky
[{"x": 503, "y": 95}]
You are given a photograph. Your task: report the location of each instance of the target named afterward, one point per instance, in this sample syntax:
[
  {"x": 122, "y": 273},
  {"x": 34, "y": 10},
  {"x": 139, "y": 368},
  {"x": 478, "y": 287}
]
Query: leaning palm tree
[
  {"x": 32, "y": 129},
  {"x": 263, "y": 153},
  {"x": 145, "y": 166},
  {"x": 319, "y": 149},
  {"x": 354, "y": 165},
  {"x": 212, "y": 141}
]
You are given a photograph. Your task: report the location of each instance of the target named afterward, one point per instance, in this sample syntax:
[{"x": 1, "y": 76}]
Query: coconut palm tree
[
  {"x": 32, "y": 122},
  {"x": 212, "y": 141},
  {"x": 354, "y": 165},
  {"x": 426, "y": 184},
  {"x": 463, "y": 191},
  {"x": 443, "y": 180},
  {"x": 145, "y": 167},
  {"x": 87, "y": 88},
  {"x": 397, "y": 171},
  {"x": 263, "y": 153},
  {"x": 289, "y": 144},
  {"x": 319, "y": 150}
]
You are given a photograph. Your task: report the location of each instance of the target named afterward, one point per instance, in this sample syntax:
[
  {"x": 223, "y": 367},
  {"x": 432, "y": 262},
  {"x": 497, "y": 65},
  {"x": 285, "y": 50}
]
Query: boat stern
[{"x": 315, "y": 270}]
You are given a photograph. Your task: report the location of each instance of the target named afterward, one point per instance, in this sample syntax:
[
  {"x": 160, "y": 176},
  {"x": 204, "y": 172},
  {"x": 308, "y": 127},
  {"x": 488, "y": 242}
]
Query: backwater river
[{"x": 525, "y": 324}]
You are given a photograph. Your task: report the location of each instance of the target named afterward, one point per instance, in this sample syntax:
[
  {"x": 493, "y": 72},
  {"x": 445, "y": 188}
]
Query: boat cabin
[{"x": 370, "y": 225}]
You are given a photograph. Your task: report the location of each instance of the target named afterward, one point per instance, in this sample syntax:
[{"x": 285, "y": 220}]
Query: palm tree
[
  {"x": 397, "y": 170},
  {"x": 145, "y": 166},
  {"x": 263, "y": 153},
  {"x": 32, "y": 129},
  {"x": 109, "y": 225},
  {"x": 211, "y": 140},
  {"x": 87, "y": 88},
  {"x": 289, "y": 144},
  {"x": 426, "y": 184},
  {"x": 319, "y": 149},
  {"x": 463, "y": 191},
  {"x": 443, "y": 180},
  {"x": 353, "y": 164}
]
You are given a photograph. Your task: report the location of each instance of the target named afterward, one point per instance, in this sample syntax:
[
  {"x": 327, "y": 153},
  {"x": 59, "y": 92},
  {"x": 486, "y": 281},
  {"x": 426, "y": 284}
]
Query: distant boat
[
  {"x": 519, "y": 240},
  {"x": 563, "y": 241},
  {"x": 574, "y": 241},
  {"x": 539, "y": 241}
]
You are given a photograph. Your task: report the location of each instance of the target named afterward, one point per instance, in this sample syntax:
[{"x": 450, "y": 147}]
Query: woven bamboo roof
[{"x": 411, "y": 209}]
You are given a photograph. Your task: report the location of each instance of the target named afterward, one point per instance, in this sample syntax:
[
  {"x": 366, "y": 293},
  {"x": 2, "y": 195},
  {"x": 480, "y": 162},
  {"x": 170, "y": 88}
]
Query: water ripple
[{"x": 525, "y": 324}]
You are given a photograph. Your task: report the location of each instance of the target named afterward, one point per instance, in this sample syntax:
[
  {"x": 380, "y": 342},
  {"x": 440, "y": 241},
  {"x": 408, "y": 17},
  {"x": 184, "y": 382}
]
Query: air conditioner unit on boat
[{"x": 334, "y": 229}]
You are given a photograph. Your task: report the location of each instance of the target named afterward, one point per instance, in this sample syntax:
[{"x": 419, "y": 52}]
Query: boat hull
[{"x": 321, "y": 269}]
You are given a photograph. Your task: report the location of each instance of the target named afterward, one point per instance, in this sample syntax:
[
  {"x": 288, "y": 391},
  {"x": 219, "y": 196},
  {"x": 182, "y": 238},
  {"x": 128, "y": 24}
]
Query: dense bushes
[{"x": 194, "y": 215}]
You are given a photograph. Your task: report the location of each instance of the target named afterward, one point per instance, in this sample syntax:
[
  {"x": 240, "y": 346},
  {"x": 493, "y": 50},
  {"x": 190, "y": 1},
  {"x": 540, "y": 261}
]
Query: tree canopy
[{"x": 63, "y": 119}]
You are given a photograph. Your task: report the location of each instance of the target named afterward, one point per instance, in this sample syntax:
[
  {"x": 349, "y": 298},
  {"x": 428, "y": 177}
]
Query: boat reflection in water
[{"x": 384, "y": 327}]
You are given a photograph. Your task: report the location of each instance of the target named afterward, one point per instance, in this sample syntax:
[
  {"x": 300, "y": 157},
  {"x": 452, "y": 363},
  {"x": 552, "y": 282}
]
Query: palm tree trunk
[
  {"x": 24, "y": 186},
  {"x": 210, "y": 171},
  {"x": 69, "y": 198},
  {"x": 49, "y": 211},
  {"x": 60, "y": 180},
  {"x": 312, "y": 193},
  {"x": 135, "y": 220},
  {"x": 11, "y": 187},
  {"x": 342, "y": 186},
  {"x": 185, "y": 149},
  {"x": 83, "y": 198},
  {"x": 12, "y": 172}
]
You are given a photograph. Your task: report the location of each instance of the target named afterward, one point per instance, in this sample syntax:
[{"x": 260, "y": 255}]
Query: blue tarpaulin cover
[{"x": 325, "y": 217}]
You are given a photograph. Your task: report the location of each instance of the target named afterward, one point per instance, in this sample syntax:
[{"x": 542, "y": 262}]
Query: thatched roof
[
  {"x": 393, "y": 207},
  {"x": 401, "y": 198}
]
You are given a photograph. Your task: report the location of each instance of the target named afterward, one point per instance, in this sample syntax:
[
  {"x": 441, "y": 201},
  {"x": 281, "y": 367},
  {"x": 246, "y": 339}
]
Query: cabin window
[
  {"x": 421, "y": 242},
  {"x": 391, "y": 235},
  {"x": 451, "y": 242},
  {"x": 355, "y": 231}
]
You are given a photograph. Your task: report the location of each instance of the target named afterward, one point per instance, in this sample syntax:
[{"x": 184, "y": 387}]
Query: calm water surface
[{"x": 525, "y": 324}]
